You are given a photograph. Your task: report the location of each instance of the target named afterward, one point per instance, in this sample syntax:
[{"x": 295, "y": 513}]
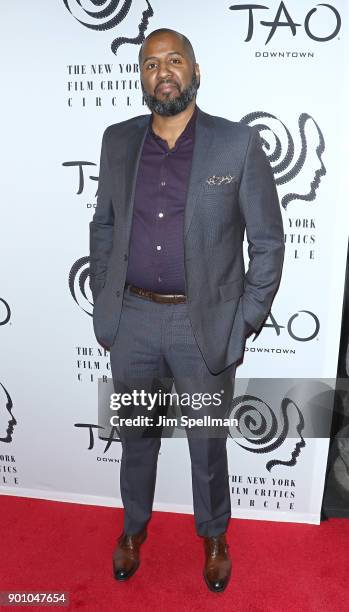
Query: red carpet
[{"x": 54, "y": 546}]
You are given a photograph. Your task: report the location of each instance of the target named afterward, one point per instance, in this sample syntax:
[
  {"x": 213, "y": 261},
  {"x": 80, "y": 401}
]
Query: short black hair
[{"x": 186, "y": 42}]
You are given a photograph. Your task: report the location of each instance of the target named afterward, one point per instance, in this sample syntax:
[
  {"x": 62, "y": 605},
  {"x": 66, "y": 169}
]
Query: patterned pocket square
[{"x": 220, "y": 180}]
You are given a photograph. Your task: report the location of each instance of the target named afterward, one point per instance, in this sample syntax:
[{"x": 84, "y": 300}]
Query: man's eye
[
  {"x": 150, "y": 66},
  {"x": 176, "y": 60}
]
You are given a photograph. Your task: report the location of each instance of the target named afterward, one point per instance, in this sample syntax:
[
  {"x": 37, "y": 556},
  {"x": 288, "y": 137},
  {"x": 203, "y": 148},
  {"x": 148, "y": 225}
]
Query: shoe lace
[
  {"x": 216, "y": 546},
  {"x": 126, "y": 541}
]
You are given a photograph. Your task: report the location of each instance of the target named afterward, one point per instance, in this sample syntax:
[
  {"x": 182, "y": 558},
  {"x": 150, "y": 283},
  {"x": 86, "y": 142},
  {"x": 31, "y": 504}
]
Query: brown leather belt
[{"x": 161, "y": 298}]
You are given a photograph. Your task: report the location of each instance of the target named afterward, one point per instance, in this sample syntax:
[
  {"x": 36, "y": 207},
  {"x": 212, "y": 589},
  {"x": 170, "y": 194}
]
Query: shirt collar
[{"x": 187, "y": 133}]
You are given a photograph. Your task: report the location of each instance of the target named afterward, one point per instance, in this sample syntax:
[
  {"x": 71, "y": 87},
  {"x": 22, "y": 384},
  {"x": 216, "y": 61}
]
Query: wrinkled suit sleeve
[
  {"x": 102, "y": 224},
  {"x": 260, "y": 208}
]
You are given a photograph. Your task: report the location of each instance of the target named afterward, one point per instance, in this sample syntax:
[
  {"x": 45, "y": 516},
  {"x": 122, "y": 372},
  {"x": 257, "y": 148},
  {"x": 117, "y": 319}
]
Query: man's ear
[{"x": 197, "y": 71}]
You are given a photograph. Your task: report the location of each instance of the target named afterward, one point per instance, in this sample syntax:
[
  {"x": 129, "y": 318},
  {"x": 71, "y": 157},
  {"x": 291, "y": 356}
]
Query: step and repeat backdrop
[{"x": 69, "y": 70}]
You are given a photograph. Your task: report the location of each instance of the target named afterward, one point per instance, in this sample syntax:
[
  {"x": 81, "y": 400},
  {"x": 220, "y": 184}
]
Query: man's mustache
[{"x": 166, "y": 82}]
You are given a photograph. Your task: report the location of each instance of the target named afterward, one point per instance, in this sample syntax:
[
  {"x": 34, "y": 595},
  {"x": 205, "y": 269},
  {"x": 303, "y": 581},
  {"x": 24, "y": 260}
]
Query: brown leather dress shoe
[
  {"x": 217, "y": 568},
  {"x": 126, "y": 555}
]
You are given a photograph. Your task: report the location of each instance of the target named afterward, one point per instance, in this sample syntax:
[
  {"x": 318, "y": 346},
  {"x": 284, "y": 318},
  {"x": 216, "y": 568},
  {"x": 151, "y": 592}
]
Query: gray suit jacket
[{"x": 221, "y": 297}]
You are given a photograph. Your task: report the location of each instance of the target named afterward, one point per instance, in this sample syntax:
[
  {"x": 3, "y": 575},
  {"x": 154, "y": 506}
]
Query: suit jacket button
[
  {"x": 125, "y": 257},
  {"x": 118, "y": 294}
]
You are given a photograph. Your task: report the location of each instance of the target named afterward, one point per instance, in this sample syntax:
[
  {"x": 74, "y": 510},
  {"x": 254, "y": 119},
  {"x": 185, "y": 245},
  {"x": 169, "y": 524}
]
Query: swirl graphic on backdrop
[
  {"x": 108, "y": 17},
  {"x": 258, "y": 425},
  {"x": 6, "y": 406},
  {"x": 79, "y": 284},
  {"x": 6, "y": 314},
  {"x": 280, "y": 150}
]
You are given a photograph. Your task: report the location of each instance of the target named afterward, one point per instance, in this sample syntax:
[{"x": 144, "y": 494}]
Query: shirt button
[
  {"x": 118, "y": 294},
  {"x": 160, "y": 215},
  {"x": 158, "y": 247},
  {"x": 163, "y": 183}
]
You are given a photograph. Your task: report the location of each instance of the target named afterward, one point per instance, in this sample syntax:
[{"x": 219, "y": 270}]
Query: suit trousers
[{"x": 154, "y": 348}]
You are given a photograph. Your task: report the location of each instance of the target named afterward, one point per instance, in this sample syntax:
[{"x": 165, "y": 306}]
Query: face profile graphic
[
  {"x": 7, "y": 420},
  {"x": 264, "y": 433},
  {"x": 108, "y": 14},
  {"x": 304, "y": 169},
  {"x": 5, "y": 312},
  {"x": 79, "y": 284}
]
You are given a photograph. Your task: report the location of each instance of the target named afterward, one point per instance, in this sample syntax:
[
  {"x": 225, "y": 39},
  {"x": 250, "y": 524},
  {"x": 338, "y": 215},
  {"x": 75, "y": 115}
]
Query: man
[{"x": 172, "y": 302}]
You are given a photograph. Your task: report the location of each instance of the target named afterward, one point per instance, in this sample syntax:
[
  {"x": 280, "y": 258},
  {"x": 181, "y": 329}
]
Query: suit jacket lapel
[
  {"x": 200, "y": 164},
  {"x": 134, "y": 147}
]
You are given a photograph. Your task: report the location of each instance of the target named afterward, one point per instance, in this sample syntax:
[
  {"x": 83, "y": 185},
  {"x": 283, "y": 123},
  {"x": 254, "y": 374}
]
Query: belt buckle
[
  {"x": 178, "y": 298},
  {"x": 160, "y": 298}
]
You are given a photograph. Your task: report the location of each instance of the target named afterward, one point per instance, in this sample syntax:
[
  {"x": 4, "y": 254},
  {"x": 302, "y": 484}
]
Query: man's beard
[{"x": 174, "y": 105}]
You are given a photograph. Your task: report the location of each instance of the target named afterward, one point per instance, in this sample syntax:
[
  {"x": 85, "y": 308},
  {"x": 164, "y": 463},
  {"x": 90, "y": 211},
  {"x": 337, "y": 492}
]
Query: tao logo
[
  {"x": 290, "y": 326},
  {"x": 288, "y": 21}
]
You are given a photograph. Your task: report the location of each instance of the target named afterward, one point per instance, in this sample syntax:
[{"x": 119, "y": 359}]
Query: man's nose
[{"x": 164, "y": 70}]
